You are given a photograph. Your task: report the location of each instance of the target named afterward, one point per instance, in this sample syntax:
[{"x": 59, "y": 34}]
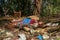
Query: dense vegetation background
[{"x": 49, "y": 8}]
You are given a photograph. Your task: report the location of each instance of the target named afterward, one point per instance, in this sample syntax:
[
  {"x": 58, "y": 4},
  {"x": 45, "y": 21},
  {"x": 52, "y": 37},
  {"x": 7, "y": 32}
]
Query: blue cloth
[
  {"x": 26, "y": 21},
  {"x": 40, "y": 37}
]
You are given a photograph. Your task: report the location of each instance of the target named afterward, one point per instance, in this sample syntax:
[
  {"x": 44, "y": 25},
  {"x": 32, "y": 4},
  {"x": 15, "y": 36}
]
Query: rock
[
  {"x": 38, "y": 29},
  {"x": 32, "y": 31},
  {"x": 26, "y": 29},
  {"x": 9, "y": 34}
]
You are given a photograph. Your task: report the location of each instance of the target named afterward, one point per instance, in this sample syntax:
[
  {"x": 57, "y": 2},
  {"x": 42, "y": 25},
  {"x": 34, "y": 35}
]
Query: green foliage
[
  {"x": 50, "y": 7},
  {"x": 26, "y": 6}
]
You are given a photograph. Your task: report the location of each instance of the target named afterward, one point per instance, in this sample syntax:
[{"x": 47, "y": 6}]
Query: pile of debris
[{"x": 30, "y": 28}]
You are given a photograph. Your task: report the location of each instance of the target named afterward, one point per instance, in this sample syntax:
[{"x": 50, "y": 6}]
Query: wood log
[{"x": 52, "y": 29}]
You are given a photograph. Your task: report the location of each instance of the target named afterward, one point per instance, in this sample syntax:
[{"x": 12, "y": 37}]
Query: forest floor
[{"x": 51, "y": 30}]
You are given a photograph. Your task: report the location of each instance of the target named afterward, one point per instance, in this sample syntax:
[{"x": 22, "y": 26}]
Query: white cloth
[
  {"x": 55, "y": 24},
  {"x": 45, "y": 37},
  {"x": 48, "y": 24},
  {"x": 22, "y": 37}
]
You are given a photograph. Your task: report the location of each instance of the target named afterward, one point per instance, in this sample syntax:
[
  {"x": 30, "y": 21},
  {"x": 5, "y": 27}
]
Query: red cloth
[{"x": 32, "y": 21}]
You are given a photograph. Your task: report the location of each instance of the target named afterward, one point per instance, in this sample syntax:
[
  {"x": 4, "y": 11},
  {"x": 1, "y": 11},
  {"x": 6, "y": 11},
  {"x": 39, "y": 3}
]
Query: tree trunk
[{"x": 38, "y": 4}]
